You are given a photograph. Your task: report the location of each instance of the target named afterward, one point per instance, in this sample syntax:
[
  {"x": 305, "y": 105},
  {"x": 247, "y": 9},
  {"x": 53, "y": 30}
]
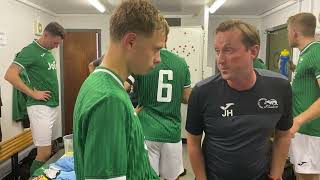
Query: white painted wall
[
  {"x": 88, "y": 22},
  {"x": 202, "y": 19},
  {"x": 264, "y": 23},
  {"x": 195, "y": 20},
  {"x": 316, "y": 11},
  {"x": 16, "y": 20}
]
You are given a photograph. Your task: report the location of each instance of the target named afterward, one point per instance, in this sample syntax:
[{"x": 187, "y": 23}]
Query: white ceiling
[
  {"x": 248, "y": 7},
  {"x": 191, "y": 7}
]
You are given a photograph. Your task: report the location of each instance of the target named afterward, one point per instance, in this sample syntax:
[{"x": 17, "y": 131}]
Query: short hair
[
  {"x": 55, "y": 29},
  {"x": 305, "y": 23},
  {"x": 166, "y": 27},
  {"x": 138, "y": 16},
  {"x": 250, "y": 36}
]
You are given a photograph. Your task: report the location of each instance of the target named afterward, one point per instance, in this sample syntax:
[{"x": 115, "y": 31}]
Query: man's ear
[
  {"x": 45, "y": 34},
  {"x": 295, "y": 34},
  {"x": 129, "y": 39},
  {"x": 255, "y": 50}
]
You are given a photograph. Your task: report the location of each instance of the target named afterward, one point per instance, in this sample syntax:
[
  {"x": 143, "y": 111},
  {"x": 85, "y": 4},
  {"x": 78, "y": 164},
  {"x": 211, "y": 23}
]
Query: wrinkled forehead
[{"x": 228, "y": 38}]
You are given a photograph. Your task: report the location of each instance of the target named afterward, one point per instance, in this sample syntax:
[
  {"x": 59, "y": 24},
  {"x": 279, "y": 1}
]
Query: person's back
[{"x": 160, "y": 92}]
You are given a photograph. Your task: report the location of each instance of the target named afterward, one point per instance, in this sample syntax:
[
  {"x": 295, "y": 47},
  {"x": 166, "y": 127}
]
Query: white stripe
[
  {"x": 117, "y": 178},
  {"x": 28, "y": 78},
  {"x": 19, "y": 64},
  {"x": 109, "y": 72},
  {"x": 308, "y": 47},
  {"x": 40, "y": 45},
  {"x": 97, "y": 44},
  {"x": 187, "y": 86},
  {"x": 131, "y": 79},
  {"x": 318, "y": 77}
]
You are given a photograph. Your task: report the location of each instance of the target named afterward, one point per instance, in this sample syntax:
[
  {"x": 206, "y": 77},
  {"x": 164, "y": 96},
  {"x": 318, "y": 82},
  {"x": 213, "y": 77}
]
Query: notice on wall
[
  {"x": 187, "y": 42},
  {"x": 3, "y": 39}
]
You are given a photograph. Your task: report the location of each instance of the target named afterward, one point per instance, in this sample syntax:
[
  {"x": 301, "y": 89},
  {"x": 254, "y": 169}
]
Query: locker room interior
[{"x": 192, "y": 34}]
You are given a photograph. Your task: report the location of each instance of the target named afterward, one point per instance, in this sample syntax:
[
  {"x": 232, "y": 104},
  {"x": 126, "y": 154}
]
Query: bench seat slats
[{"x": 14, "y": 145}]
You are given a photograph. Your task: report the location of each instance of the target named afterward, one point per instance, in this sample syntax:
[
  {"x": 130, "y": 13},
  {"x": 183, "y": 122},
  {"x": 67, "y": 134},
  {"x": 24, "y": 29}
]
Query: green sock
[{"x": 35, "y": 165}]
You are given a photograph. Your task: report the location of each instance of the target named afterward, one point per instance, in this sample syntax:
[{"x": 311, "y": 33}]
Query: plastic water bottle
[{"x": 283, "y": 61}]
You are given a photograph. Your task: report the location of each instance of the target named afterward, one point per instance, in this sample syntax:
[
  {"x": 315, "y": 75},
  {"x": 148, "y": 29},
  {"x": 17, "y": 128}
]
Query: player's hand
[
  {"x": 138, "y": 109},
  {"x": 41, "y": 95},
  {"x": 295, "y": 127}
]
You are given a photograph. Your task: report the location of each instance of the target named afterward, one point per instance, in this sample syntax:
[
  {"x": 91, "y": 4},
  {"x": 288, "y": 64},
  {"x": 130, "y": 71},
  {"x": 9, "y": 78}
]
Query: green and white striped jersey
[
  {"x": 305, "y": 87},
  {"x": 108, "y": 138},
  {"x": 160, "y": 93}
]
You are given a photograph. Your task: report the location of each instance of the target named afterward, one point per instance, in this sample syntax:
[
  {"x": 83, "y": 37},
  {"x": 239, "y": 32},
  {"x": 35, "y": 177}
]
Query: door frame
[
  {"x": 98, "y": 31},
  {"x": 268, "y": 32}
]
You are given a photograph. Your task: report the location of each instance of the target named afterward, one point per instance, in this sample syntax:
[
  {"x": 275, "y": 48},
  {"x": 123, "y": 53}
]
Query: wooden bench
[{"x": 11, "y": 147}]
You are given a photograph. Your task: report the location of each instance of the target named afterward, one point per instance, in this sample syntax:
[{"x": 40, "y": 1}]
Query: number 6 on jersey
[{"x": 161, "y": 86}]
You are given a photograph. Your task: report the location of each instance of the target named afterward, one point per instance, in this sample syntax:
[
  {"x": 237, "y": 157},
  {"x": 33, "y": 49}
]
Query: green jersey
[
  {"x": 160, "y": 93},
  {"x": 108, "y": 138},
  {"x": 40, "y": 66},
  {"x": 258, "y": 63},
  {"x": 19, "y": 100},
  {"x": 305, "y": 87}
]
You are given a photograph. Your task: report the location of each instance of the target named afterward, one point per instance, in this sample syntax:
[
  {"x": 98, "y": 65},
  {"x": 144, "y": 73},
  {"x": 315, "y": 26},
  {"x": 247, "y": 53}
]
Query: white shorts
[
  {"x": 304, "y": 154},
  {"x": 166, "y": 158},
  {"x": 41, "y": 121}
]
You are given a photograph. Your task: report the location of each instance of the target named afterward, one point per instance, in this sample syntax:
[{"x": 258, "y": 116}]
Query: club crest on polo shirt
[
  {"x": 226, "y": 111},
  {"x": 264, "y": 103},
  {"x": 52, "y": 66},
  {"x": 300, "y": 60}
]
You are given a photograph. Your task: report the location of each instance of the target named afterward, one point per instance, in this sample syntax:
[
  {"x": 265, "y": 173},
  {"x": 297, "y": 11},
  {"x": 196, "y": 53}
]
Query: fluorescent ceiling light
[
  {"x": 216, "y": 5},
  {"x": 98, "y": 5}
]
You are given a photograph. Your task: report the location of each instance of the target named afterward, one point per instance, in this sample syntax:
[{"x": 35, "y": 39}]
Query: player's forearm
[
  {"x": 186, "y": 95},
  {"x": 310, "y": 114},
  {"x": 185, "y": 100},
  {"x": 16, "y": 81},
  {"x": 280, "y": 150},
  {"x": 197, "y": 163},
  {"x": 196, "y": 157}
]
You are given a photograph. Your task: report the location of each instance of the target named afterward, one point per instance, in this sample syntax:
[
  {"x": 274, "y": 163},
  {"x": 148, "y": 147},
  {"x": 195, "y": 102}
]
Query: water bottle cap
[{"x": 284, "y": 52}]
